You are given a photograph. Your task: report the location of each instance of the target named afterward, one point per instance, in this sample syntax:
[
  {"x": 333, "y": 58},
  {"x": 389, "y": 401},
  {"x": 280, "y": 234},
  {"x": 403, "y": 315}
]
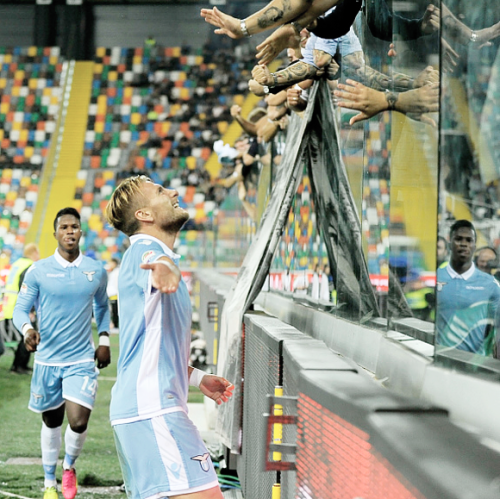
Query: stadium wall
[{"x": 375, "y": 419}]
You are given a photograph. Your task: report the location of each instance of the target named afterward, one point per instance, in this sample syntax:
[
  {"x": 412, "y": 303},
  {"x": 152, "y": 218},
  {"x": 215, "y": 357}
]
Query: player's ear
[{"x": 144, "y": 215}]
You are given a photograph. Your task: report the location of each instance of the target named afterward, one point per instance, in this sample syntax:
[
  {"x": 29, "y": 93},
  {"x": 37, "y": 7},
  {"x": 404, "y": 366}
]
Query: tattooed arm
[
  {"x": 296, "y": 72},
  {"x": 354, "y": 66},
  {"x": 275, "y": 13}
]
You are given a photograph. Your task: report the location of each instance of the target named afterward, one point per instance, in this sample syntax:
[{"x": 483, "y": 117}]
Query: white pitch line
[{"x": 13, "y": 495}]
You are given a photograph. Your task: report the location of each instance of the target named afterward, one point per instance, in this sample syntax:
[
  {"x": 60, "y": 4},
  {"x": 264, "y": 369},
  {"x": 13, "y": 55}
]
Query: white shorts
[
  {"x": 163, "y": 456},
  {"x": 345, "y": 45}
]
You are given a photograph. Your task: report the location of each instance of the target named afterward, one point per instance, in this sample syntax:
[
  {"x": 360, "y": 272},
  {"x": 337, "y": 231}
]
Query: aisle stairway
[{"x": 65, "y": 157}]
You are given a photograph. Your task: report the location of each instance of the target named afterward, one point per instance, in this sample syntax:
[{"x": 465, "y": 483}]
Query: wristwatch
[{"x": 391, "y": 98}]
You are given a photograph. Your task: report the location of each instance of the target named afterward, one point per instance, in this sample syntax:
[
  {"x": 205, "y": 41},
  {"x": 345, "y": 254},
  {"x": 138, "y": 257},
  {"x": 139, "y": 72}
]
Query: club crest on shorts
[
  {"x": 90, "y": 275},
  {"x": 204, "y": 463}
]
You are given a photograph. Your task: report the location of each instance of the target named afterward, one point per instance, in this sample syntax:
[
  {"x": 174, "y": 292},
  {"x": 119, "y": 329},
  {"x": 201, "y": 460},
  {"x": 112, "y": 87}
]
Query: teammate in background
[
  {"x": 467, "y": 298},
  {"x": 64, "y": 288},
  {"x": 485, "y": 259},
  {"x": 160, "y": 450},
  {"x": 112, "y": 290},
  {"x": 441, "y": 252},
  {"x": 14, "y": 281}
]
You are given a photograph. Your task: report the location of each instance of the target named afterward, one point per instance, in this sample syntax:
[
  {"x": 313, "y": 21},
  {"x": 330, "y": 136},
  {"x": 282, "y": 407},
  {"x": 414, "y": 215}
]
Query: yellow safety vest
[{"x": 12, "y": 287}]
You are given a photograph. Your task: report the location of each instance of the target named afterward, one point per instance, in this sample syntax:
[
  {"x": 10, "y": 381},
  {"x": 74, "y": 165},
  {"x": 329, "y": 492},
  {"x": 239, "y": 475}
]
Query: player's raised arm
[{"x": 165, "y": 275}]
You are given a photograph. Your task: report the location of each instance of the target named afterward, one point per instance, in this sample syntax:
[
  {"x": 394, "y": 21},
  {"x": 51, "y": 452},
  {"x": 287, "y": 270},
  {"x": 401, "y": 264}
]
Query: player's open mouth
[{"x": 176, "y": 205}]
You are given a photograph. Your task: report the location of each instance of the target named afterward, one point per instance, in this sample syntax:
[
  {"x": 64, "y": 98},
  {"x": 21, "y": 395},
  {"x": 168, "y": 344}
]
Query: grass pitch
[{"x": 98, "y": 470}]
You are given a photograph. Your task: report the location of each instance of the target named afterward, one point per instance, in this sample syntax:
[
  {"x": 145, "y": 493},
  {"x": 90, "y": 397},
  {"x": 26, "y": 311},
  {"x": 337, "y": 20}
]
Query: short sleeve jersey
[
  {"x": 65, "y": 295},
  {"x": 467, "y": 310},
  {"x": 155, "y": 338}
]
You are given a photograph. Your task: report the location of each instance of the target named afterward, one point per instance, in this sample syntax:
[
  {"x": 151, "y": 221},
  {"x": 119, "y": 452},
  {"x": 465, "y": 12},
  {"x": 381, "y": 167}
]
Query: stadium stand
[
  {"x": 30, "y": 96},
  {"x": 158, "y": 112}
]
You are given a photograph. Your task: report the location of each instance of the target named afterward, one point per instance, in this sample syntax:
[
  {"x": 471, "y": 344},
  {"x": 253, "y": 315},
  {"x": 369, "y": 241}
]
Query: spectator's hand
[
  {"x": 275, "y": 112},
  {"x": 226, "y": 24},
  {"x": 242, "y": 191},
  {"x": 262, "y": 75},
  {"x": 431, "y": 20},
  {"x": 283, "y": 122},
  {"x": 427, "y": 76},
  {"x": 284, "y": 37},
  {"x": 357, "y": 96},
  {"x": 268, "y": 130},
  {"x": 103, "y": 356},
  {"x": 235, "y": 110},
  {"x": 293, "y": 95},
  {"x": 255, "y": 88},
  {"x": 421, "y": 100},
  {"x": 31, "y": 340},
  {"x": 450, "y": 57},
  {"x": 165, "y": 278},
  {"x": 423, "y": 118},
  {"x": 216, "y": 388}
]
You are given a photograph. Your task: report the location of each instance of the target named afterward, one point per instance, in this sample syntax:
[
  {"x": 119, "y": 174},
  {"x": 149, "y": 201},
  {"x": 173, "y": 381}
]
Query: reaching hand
[
  {"x": 226, "y": 24},
  {"x": 31, "y": 340},
  {"x": 235, "y": 110},
  {"x": 427, "y": 76},
  {"x": 216, "y": 388},
  {"x": 262, "y": 75},
  {"x": 284, "y": 37},
  {"x": 430, "y": 21},
  {"x": 423, "y": 118},
  {"x": 293, "y": 95},
  {"x": 256, "y": 88},
  {"x": 450, "y": 57},
  {"x": 357, "y": 96},
  {"x": 268, "y": 130},
  {"x": 165, "y": 278}
]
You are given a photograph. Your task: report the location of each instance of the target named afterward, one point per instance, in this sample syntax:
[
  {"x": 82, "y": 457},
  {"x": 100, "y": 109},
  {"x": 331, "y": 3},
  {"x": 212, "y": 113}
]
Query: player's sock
[
  {"x": 50, "y": 439},
  {"x": 73, "y": 443},
  {"x": 50, "y": 483}
]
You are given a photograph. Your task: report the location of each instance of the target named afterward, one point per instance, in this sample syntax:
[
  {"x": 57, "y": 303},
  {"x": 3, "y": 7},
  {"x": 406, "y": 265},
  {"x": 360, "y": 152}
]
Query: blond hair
[{"x": 125, "y": 201}]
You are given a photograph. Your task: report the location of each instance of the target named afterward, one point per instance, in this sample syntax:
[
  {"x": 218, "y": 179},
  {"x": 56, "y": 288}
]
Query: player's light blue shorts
[
  {"x": 346, "y": 45},
  {"x": 163, "y": 456},
  {"x": 52, "y": 385}
]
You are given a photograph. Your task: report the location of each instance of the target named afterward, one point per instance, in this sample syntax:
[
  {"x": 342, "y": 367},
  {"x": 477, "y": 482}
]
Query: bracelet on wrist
[
  {"x": 244, "y": 29},
  {"x": 473, "y": 37},
  {"x": 391, "y": 98},
  {"x": 275, "y": 80}
]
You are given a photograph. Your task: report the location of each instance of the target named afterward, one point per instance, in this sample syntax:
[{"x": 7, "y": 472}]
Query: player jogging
[{"x": 65, "y": 288}]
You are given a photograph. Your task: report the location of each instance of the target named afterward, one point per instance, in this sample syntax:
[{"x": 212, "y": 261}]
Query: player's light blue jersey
[
  {"x": 155, "y": 337},
  {"x": 64, "y": 295},
  {"x": 467, "y": 310}
]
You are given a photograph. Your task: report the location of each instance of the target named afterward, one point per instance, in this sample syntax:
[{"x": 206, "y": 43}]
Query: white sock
[
  {"x": 50, "y": 483},
  {"x": 50, "y": 440},
  {"x": 73, "y": 443}
]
